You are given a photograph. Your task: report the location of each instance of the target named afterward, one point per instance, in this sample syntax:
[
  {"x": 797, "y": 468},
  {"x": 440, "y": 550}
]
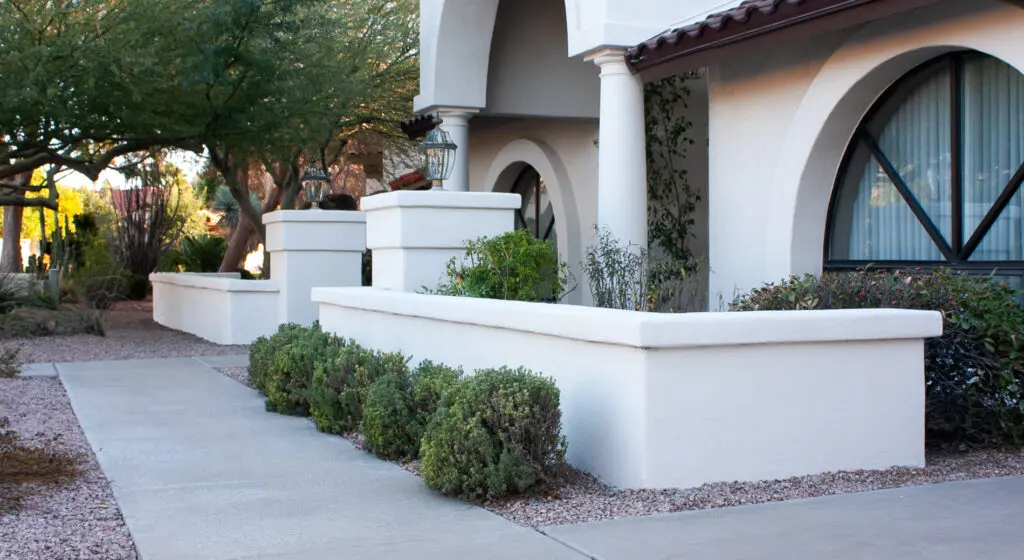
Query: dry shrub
[
  {"x": 23, "y": 468},
  {"x": 28, "y": 322},
  {"x": 10, "y": 362}
]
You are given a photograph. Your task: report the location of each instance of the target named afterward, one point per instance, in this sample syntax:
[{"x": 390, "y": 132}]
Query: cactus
[{"x": 62, "y": 256}]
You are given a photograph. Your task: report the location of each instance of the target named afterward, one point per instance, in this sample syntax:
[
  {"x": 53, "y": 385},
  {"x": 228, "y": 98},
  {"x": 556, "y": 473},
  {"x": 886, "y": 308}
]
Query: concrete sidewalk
[
  {"x": 202, "y": 472},
  {"x": 973, "y": 520}
]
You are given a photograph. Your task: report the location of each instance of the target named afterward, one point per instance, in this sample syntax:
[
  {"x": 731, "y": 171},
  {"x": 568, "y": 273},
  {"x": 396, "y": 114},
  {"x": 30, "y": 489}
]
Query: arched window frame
[
  {"x": 531, "y": 191},
  {"x": 957, "y": 251}
]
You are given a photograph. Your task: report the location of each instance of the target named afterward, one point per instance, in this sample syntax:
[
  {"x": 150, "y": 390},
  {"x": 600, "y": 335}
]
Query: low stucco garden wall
[
  {"x": 661, "y": 401},
  {"x": 221, "y": 308}
]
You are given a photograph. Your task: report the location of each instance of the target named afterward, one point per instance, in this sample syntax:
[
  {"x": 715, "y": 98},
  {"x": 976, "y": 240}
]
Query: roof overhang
[{"x": 753, "y": 27}]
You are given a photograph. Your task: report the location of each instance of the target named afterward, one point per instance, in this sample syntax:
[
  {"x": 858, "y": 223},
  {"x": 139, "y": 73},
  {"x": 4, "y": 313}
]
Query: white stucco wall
[
  {"x": 221, "y": 308},
  {"x": 780, "y": 124},
  {"x": 661, "y": 401}
]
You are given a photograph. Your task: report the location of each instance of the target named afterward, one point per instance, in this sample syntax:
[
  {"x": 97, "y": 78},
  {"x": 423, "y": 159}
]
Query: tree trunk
[
  {"x": 10, "y": 259},
  {"x": 237, "y": 245}
]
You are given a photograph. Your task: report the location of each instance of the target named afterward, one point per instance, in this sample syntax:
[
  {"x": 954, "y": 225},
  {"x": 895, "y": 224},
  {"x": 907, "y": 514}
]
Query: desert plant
[
  {"x": 430, "y": 382},
  {"x": 28, "y": 322},
  {"x": 203, "y": 253},
  {"x": 10, "y": 362},
  {"x": 23, "y": 468},
  {"x": 496, "y": 432},
  {"x": 292, "y": 366},
  {"x": 974, "y": 371},
  {"x": 339, "y": 390},
  {"x": 512, "y": 266},
  {"x": 618, "y": 275}
]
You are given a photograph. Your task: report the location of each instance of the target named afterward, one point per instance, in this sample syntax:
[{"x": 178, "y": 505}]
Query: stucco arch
[
  {"x": 507, "y": 165},
  {"x": 845, "y": 88}
]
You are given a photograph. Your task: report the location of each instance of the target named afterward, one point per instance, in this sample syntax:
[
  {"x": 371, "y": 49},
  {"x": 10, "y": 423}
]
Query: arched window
[
  {"x": 536, "y": 214},
  {"x": 933, "y": 174}
]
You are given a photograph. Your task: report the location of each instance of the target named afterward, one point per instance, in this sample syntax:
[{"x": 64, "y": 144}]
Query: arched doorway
[
  {"x": 933, "y": 174},
  {"x": 536, "y": 214}
]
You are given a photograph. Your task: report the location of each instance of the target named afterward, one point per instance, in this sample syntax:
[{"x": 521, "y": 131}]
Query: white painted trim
[
  {"x": 646, "y": 330},
  {"x": 227, "y": 282},
  {"x": 441, "y": 199},
  {"x": 313, "y": 215}
]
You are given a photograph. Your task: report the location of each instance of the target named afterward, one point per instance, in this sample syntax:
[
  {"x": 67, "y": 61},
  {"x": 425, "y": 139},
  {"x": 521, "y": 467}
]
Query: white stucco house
[{"x": 838, "y": 132}]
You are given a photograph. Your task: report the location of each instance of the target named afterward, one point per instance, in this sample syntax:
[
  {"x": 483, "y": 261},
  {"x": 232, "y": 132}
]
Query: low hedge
[
  {"x": 494, "y": 433},
  {"x": 974, "y": 371}
]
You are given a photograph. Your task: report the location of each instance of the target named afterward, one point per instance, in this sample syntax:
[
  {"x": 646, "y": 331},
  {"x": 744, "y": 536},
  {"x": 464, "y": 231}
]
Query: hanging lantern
[
  {"x": 315, "y": 183},
  {"x": 440, "y": 156}
]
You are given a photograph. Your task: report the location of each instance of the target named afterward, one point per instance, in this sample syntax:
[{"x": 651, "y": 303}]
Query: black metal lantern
[
  {"x": 440, "y": 156},
  {"x": 315, "y": 183}
]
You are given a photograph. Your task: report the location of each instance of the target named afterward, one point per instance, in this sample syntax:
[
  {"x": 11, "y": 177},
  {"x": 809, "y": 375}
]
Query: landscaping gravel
[
  {"x": 239, "y": 374},
  {"x": 580, "y": 498},
  {"x": 72, "y": 521},
  {"x": 131, "y": 334}
]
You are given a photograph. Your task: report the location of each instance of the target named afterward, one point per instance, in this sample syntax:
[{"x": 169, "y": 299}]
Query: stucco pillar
[
  {"x": 622, "y": 156},
  {"x": 312, "y": 249},
  {"x": 456, "y": 124},
  {"x": 413, "y": 234}
]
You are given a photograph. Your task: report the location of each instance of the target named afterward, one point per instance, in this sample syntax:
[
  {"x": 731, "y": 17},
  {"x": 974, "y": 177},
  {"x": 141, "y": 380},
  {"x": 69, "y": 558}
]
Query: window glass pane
[
  {"x": 915, "y": 134},
  {"x": 993, "y": 147},
  {"x": 872, "y": 221},
  {"x": 1004, "y": 241}
]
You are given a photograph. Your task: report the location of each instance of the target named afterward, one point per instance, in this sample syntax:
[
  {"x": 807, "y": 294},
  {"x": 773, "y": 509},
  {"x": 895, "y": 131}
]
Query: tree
[{"x": 305, "y": 89}]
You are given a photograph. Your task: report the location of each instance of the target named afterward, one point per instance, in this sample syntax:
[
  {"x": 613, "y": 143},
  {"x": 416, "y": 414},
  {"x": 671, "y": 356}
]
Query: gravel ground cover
[
  {"x": 131, "y": 334},
  {"x": 239, "y": 374},
  {"x": 580, "y": 498},
  {"x": 72, "y": 521}
]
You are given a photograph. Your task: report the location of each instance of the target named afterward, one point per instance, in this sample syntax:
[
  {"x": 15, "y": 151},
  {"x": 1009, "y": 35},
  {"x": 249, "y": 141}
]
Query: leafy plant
[
  {"x": 203, "y": 253},
  {"x": 512, "y": 266},
  {"x": 496, "y": 432},
  {"x": 672, "y": 201},
  {"x": 10, "y": 362},
  {"x": 974, "y": 372},
  {"x": 262, "y": 350}
]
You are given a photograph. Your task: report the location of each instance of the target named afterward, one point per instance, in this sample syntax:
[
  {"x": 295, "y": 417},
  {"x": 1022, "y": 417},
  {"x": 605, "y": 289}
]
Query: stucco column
[
  {"x": 456, "y": 124},
  {"x": 622, "y": 155}
]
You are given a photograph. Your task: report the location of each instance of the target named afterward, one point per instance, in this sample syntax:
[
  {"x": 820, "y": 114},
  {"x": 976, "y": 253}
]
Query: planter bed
[{"x": 221, "y": 308}]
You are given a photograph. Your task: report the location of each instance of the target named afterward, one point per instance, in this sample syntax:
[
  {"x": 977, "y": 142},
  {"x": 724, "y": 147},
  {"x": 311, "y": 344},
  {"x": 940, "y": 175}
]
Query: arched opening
[
  {"x": 933, "y": 174},
  {"x": 537, "y": 215}
]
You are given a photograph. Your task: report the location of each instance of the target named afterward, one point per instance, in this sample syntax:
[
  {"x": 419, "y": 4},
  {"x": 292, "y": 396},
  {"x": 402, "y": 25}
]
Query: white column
[
  {"x": 622, "y": 155},
  {"x": 456, "y": 124},
  {"x": 313, "y": 249}
]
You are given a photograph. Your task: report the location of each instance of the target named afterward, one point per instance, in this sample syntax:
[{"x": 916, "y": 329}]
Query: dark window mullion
[
  {"x": 993, "y": 213},
  {"x": 551, "y": 226},
  {"x": 908, "y": 197},
  {"x": 520, "y": 218},
  {"x": 957, "y": 155}
]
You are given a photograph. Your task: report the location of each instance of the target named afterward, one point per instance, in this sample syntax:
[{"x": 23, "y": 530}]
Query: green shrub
[
  {"x": 974, "y": 371},
  {"x": 136, "y": 287},
  {"x": 292, "y": 366},
  {"x": 430, "y": 382},
  {"x": 391, "y": 426},
  {"x": 513, "y": 266},
  {"x": 203, "y": 253},
  {"x": 339, "y": 389},
  {"x": 398, "y": 408},
  {"x": 496, "y": 433},
  {"x": 262, "y": 350}
]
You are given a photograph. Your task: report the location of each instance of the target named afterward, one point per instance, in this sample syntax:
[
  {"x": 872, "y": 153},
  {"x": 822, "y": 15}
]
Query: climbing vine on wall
[{"x": 672, "y": 201}]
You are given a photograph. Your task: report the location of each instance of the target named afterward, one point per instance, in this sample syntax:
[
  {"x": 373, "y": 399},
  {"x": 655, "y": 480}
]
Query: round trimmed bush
[
  {"x": 430, "y": 382},
  {"x": 497, "y": 432}
]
